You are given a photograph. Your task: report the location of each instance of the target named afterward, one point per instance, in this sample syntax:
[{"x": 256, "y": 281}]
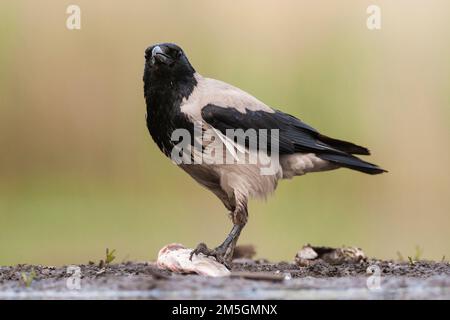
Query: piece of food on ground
[{"x": 177, "y": 258}]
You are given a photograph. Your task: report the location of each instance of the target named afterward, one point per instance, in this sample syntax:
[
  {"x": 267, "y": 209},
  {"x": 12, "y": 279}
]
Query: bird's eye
[{"x": 179, "y": 54}]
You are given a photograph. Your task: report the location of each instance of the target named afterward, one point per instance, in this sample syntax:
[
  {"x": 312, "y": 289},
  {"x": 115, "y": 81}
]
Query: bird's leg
[
  {"x": 227, "y": 247},
  {"x": 224, "y": 252}
]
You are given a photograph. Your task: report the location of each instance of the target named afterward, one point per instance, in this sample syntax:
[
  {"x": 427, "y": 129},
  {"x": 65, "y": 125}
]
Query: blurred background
[{"x": 79, "y": 172}]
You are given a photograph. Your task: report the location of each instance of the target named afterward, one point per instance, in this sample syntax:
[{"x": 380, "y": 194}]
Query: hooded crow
[{"x": 180, "y": 100}]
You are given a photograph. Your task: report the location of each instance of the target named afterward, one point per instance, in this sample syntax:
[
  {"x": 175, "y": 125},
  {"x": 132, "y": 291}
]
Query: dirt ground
[{"x": 250, "y": 279}]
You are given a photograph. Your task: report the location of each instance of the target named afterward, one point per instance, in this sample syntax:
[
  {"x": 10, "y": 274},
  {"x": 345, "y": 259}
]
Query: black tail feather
[
  {"x": 345, "y": 146},
  {"x": 352, "y": 162}
]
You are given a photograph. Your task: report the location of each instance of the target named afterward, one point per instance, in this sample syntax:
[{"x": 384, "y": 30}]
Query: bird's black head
[
  {"x": 166, "y": 62},
  {"x": 168, "y": 79}
]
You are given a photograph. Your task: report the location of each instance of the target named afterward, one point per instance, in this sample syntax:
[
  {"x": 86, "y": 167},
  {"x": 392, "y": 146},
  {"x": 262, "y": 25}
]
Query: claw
[
  {"x": 219, "y": 253},
  {"x": 201, "y": 248}
]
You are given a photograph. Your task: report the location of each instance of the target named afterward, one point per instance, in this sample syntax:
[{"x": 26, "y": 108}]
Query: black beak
[{"x": 158, "y": 55}]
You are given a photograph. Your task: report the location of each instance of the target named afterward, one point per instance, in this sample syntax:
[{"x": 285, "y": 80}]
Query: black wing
[{"x": 294, "y": 135}]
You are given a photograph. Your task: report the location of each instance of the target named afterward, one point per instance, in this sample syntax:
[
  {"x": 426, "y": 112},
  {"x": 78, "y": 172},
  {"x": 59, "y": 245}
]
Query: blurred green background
[{"x": 79, "y": 172}]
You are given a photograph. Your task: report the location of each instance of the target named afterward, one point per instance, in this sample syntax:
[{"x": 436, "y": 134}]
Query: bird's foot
[{"x": 220, "y": 253}]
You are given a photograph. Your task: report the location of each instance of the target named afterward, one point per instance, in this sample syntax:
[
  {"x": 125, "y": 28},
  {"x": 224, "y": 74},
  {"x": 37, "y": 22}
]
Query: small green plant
[
  {"x": 108, "y": 258},
  {"x": 419, "y": 253},
  {"x": 28, "y": 278},
  {"x": 412, "y": 259}
]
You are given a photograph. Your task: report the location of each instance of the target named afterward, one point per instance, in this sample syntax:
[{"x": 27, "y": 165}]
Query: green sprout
[
  {"x": 412, "y": 259},
  {"x": 419, "y": 253},
  {"x": 108, "y": 259},
  {"x": 28, "y": 278},
  {"x": 110, "y": 256}
]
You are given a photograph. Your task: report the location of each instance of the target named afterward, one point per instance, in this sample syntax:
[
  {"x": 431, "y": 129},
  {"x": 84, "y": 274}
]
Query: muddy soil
[{"x": 250, "y": 279}]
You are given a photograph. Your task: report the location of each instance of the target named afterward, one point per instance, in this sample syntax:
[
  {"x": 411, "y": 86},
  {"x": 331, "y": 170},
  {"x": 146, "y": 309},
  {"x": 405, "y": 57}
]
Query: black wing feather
[{"x": 294, "y": 135}]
